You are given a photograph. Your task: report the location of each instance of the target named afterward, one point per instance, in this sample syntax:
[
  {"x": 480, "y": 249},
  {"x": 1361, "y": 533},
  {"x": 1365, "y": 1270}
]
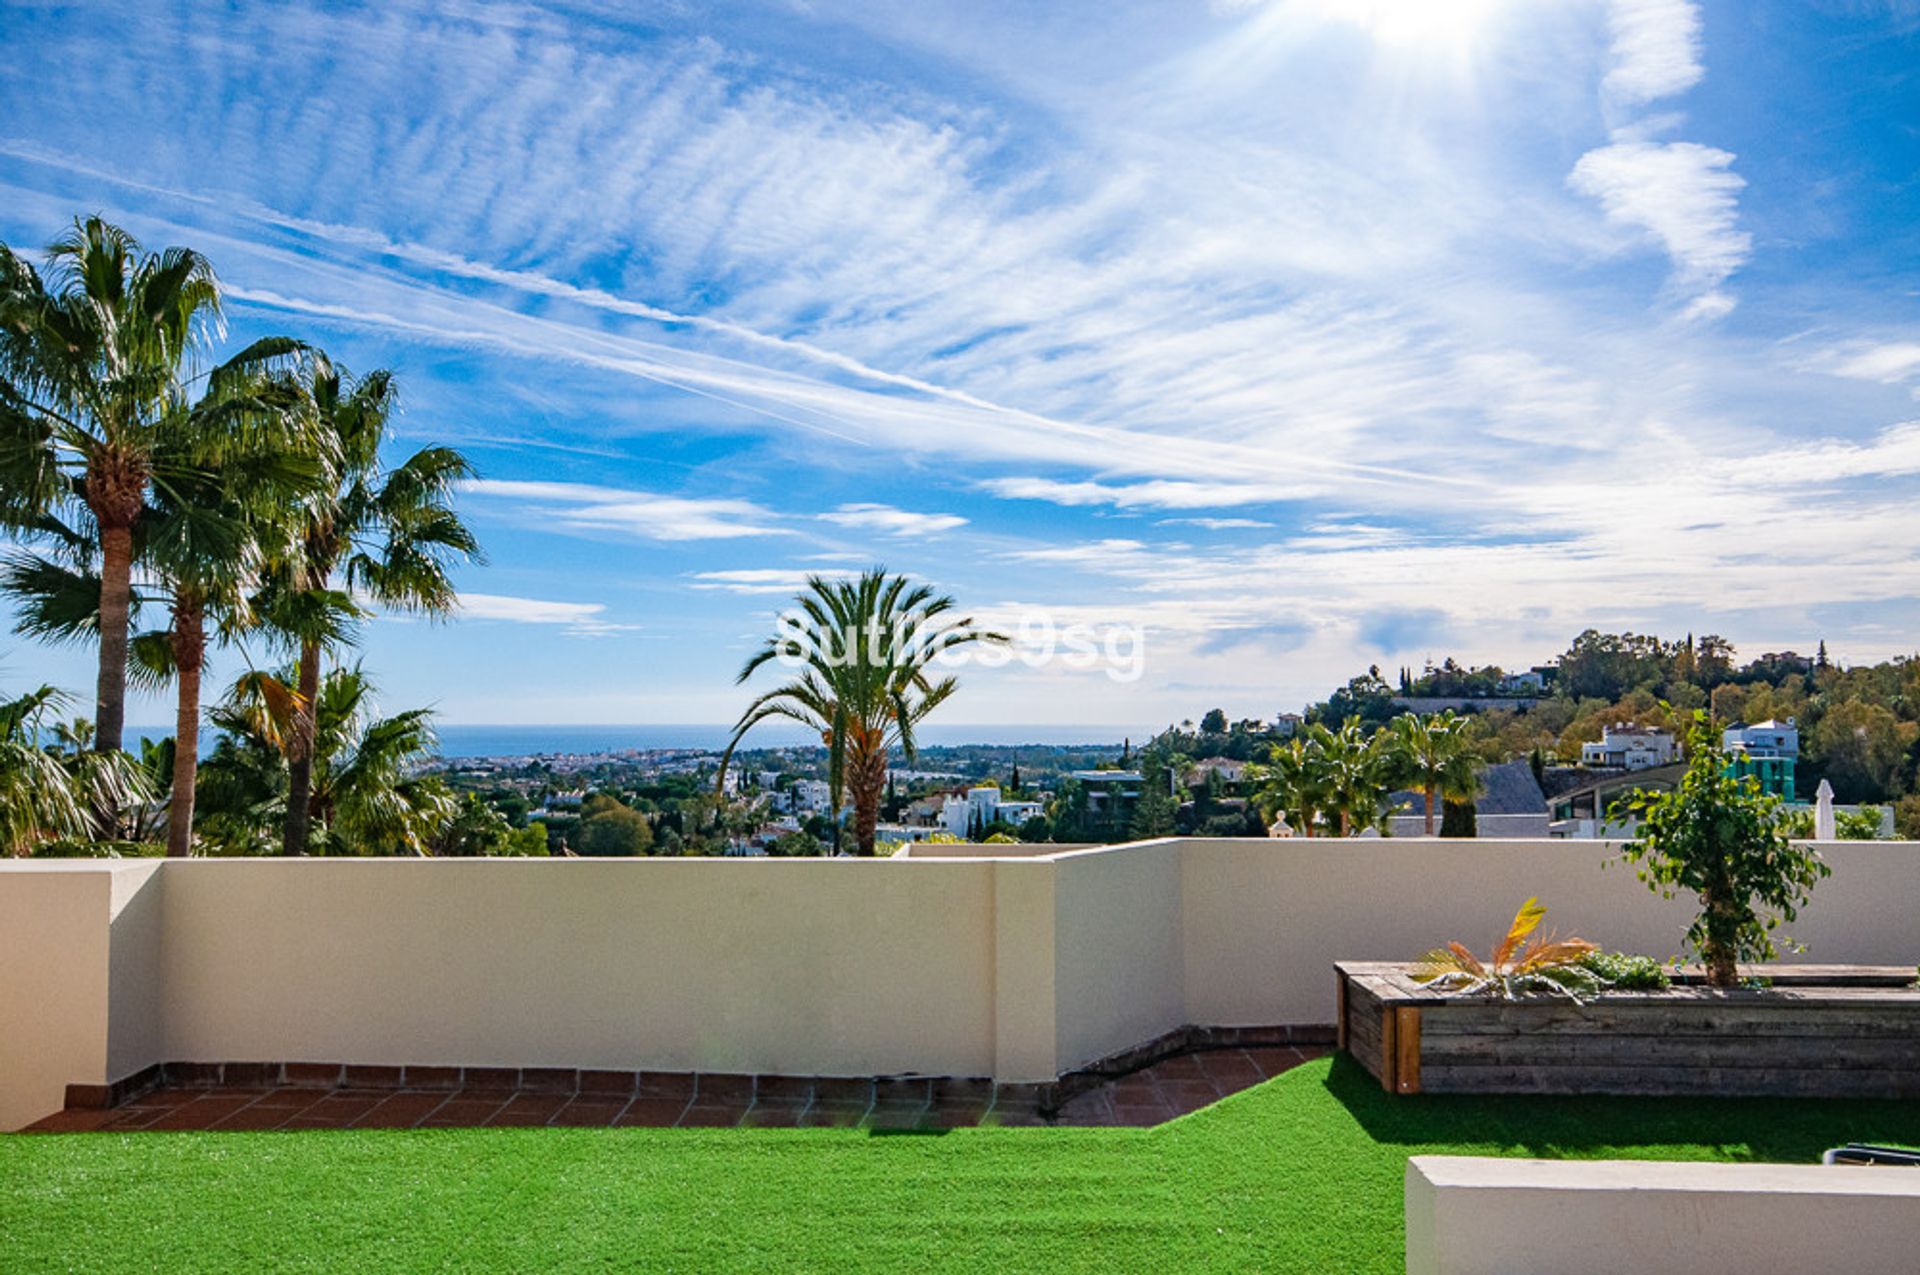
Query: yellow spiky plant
[{"x": 1551, "y": 965}]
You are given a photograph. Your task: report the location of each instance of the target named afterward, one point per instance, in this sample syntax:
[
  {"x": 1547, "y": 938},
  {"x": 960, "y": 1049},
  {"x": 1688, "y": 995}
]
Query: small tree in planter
[{"x": 1726, "y": 840}]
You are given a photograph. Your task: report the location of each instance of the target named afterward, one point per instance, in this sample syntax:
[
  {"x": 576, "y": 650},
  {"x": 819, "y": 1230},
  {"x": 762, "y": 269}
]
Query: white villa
[{"x": 1629, "y": 747}]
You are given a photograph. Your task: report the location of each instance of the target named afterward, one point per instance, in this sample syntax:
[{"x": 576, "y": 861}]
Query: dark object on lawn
[{"x": 1866, "y": 1153}]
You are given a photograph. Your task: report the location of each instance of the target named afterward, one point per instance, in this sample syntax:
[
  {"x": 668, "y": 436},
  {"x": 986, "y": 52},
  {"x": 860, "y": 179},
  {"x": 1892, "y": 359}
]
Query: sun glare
[{"x": 1414, "y": 22}]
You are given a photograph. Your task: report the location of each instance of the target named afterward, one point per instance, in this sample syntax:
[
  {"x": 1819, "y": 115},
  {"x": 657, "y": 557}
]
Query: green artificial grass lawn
[{"x": 1302, "y": 1173}]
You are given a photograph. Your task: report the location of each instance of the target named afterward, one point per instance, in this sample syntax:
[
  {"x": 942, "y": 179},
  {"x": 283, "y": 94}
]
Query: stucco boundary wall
[
  {"x": 1020, "y": 969},
  {"x": 1471, "y": 1215}
]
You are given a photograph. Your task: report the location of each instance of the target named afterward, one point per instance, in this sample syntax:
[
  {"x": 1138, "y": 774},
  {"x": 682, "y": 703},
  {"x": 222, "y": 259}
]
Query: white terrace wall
[
  {"x": 1264, "y": 921},
  {"x": 1016, "y": 968}
]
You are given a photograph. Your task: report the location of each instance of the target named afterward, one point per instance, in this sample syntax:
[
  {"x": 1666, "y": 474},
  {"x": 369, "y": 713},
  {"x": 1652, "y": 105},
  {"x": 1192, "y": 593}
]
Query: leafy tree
[
  {"x": 386, "y": 535},
  {"x": 862, "y": 649},
  {"x": 519, "y": 843},
  {"x": 1860, "y": 747},
  {"x": 1367, "y": 699},
  {"x": 1214, "y": 722},
  {"x": 1858, "y": 825},
  {"x": 1432, "y": 754},
  {"x": 97, "y": 360},
  {"x": 1906, "y": 818},
  {"x": 1723, "y": 839},
  {"x": 796, "y": 845},
  {"x": 1154, "y": 810},
  {"x": 1037, "y": 829},
  {"x": 613, "y": 830}
]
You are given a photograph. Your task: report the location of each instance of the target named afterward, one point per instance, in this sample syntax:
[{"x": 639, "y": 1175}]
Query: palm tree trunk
[
  {"x": 189, "y": 655},
  {"x": 300, "y": 753},
  {"x": 1433, "y": 795},
  {"x": 869, "y": 781},
  {"x": 116, "y": 601}
]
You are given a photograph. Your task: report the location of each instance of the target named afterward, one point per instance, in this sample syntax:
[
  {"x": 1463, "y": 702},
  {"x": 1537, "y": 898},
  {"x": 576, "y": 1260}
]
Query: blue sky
[{"x": 1301, "y": 334}]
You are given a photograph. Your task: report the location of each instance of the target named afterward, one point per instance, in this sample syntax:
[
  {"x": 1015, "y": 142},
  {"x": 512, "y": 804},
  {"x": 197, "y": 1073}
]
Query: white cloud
[
  {"x": 582, "y": 619},
  {"x": 1215, "y": 524},
  {"x": 1685, "y": 196},
  {"x": 1656, "y": 50},
  {"x": 1888, "y": 363},
  {"x": 894, "y": 522},
  {"x": 761, "y": 579},
  {"x": 585, "y": 507},
  {"x": 1157, "y": 494}
]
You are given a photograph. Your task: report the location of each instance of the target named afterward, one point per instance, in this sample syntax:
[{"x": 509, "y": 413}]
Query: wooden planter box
[{"x": 1835, "y": 1031}]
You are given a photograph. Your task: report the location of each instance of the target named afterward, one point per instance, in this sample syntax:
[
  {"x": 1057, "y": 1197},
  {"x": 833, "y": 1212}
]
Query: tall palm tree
[
  {"x": 366, "y": 798},
  {"x": 388, "y": 535},
  {"x": 202, "y": 539},
  {"x": 1431, "y": 754},
  {"x": 210, "y": 541},
  {"x": 862, "y": 648},
  {"x": 1293, "y": 785},
  {"x": 96, "y": 362}
]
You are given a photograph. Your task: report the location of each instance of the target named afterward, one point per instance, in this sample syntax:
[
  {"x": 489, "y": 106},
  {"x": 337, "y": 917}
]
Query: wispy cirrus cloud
[
  {"x": 648, "y": 515},
  {"x": 581, "y": 619},
  {"x": 1681, "y": 194},
  {"x": 869, "y": 516},
  {"x": 1656, "y": 50}
]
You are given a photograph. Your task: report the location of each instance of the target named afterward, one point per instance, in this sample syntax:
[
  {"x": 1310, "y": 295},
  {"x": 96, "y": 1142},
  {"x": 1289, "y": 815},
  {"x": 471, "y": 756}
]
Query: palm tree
[
  {"x": 202, "y": 538},
  {"x": 1431, "y": 754},
  {"x": 96, "y": 362},
  {"x": 210, "y": 540},
  {"x": 1356, "y": 774},
  {"x": 1293, "y": 785},
  {"x": 49, "y": 793},
  {"x": 366, "y": 797},
  {"x": 862, "y": 648},
  {"x": 388, "y": 535}
]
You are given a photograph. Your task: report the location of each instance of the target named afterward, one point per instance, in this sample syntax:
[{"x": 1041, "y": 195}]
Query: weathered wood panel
[{"x": 1858, "y": 1040}]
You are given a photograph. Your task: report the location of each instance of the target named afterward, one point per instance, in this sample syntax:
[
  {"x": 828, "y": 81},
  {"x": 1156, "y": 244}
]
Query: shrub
[
  {"x": 1544, "y": 965},
  {"x": 1622, "y": 972},
  {"x": 1723, "y": 839}
]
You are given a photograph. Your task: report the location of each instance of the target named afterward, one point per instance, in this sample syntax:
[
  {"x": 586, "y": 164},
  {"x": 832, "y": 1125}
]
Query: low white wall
[
  {"x": 1020, "y": 968},
  {"x": 833, "y": 967},
  {"x": 76, "y": 1002},
  {"x": 1469, "y": 1215},
  {"x": 1266, "y": 920},
  {"x": 1119, "y": 951}
]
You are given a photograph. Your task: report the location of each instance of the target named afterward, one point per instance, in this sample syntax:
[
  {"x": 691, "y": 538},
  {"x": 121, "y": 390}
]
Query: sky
[{"x": 1291, "y": 336}]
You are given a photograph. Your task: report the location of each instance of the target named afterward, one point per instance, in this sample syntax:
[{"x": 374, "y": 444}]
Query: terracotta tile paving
[{"x": 326, "y": 1097}]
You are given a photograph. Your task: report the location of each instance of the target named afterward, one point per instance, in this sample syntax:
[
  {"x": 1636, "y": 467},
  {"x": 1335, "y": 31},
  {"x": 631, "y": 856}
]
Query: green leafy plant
[
  {"x": 1623, "y": 972},
  {"x": 1722, "y": 838},
  {"x": 1544, "y": 965}
]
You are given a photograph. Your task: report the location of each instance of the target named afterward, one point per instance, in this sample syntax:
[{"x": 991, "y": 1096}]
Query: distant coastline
[{"x": 554, "y": 740}]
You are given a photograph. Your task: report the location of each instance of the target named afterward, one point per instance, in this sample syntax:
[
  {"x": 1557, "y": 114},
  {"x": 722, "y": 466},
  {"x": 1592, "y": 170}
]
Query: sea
[
  {"x": 460, "y": 740},
  {"x": 523, "y": 741}
]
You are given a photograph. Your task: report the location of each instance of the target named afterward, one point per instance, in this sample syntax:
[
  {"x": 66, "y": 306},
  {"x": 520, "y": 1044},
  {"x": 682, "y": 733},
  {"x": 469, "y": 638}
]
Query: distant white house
[
  {"x": 1763, "y": 739},
  {"x": 1286, "y": 725},
  {"x": 812, "y": 794},
  {"x": 963, "y": 815},
  {"x": 1629, "y": 747},
  {"x": 1229, "y": 770}
]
